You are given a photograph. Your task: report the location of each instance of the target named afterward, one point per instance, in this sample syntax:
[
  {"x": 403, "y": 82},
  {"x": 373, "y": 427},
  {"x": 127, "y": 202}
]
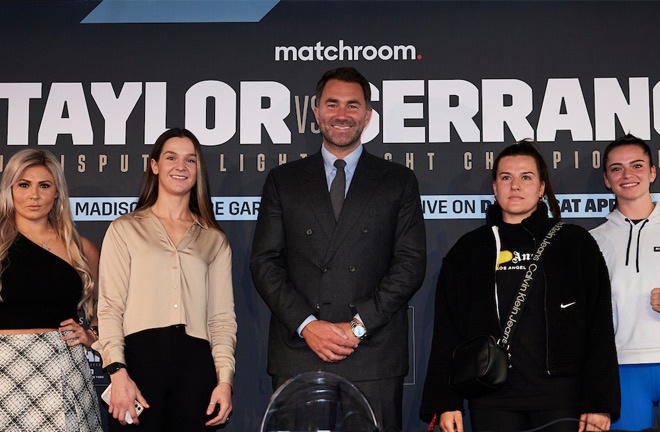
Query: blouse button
[{"x": 309, "y": 231}]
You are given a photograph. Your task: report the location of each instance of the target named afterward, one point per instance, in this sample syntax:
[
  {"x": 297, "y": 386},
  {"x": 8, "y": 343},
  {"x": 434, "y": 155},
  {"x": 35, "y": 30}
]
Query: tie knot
[{"x": 340, "y": 164}]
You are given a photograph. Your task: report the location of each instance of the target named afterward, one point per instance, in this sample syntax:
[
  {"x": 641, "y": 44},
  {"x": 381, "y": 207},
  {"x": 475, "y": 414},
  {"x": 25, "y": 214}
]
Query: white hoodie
[{"x": 632, "y": 253}]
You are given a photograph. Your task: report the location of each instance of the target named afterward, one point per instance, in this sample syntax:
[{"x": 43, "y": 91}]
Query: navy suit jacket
[{"x": 369, "y": 262}]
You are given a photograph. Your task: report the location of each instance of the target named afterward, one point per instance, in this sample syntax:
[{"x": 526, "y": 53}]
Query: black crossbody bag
[{"x": 481, "y": 364}]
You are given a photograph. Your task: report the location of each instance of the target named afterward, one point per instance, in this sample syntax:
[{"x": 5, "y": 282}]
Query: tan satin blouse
[{"x": 146, "y": 282}]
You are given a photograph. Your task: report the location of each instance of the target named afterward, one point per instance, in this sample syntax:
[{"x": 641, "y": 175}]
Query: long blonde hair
[{"x": 60, "y": 218}]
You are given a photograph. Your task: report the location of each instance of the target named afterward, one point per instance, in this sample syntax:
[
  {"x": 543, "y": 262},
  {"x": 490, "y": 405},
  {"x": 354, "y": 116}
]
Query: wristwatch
[
  {"x": 358, "y": 329},
  {"x": 114, "y": 367}
]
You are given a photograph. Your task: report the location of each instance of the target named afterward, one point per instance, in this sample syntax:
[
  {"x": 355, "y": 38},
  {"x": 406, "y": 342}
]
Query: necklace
[
  {"x": 42, "y": 243},
  {"x": 45, "y": 246}
]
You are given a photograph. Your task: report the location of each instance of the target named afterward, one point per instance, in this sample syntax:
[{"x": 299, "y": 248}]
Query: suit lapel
[
  {"x": 315, "y": 186},
  {"x": 365, "y": 181}
]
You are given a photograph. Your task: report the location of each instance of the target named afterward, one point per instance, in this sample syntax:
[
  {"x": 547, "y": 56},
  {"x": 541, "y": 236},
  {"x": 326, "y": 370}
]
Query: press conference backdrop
[{"x": 96, "y": 82}]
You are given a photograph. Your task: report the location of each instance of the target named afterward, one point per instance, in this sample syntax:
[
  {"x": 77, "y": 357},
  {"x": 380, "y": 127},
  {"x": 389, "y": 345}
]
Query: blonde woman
[
  {"x": 47, "y": 272},
  {"x": 166, "y": 306}
]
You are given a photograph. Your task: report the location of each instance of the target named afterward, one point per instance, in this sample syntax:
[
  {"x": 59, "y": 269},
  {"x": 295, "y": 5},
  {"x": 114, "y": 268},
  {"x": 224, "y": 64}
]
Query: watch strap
[{"x": 114, "y": 367}]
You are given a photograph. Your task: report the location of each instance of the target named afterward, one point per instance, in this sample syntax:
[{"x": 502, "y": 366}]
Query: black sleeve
[{"x": 437, "y": 397}]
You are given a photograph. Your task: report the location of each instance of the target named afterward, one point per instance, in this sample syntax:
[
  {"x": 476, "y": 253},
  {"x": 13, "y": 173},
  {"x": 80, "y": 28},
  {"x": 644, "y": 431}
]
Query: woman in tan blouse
[{"x": 166, "y": 309}]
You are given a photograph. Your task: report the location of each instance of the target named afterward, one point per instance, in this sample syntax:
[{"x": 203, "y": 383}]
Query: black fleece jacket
[{"x": 580, "y": 338}]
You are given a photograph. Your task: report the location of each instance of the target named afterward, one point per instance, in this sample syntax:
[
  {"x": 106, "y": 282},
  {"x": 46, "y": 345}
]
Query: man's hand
[
  {"x": 328, "y": 341},
  {"x": 348, "y": 331}
]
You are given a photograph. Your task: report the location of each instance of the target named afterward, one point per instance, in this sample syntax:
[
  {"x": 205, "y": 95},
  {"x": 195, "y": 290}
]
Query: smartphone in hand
[{"x": 138, "y": 407}]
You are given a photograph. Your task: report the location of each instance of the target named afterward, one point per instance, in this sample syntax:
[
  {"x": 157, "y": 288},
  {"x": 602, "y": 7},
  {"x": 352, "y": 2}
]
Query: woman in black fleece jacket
[{"x": 563, "y": 356}]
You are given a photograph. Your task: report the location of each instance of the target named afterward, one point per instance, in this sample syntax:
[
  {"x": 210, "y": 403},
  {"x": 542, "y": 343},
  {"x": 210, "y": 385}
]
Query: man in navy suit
[{"x": 339, "y": 250}]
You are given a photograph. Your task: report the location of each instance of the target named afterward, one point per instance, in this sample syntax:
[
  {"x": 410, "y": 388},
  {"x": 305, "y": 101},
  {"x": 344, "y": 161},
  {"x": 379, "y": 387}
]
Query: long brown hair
[{"x": 200, "y": 194}]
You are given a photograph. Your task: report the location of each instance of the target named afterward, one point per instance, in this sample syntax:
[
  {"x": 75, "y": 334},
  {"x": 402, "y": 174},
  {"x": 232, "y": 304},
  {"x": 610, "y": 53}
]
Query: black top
[
  {"x": 528, "y": 387},
  {"x": 576, "y": 309},
  {"x": 39, "y": 289}
]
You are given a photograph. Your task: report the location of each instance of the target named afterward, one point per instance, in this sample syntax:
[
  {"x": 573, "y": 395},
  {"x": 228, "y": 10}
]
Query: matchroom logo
[{"x": 343, "y": 52}]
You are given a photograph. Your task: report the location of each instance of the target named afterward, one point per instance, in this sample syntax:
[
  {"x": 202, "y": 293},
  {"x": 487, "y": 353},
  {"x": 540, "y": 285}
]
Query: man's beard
[{"x": 352, "y": 142}]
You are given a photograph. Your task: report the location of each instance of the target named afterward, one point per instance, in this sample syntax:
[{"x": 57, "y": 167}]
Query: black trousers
[
  {"x": 385, "y": 397},
  {"x": 517, "y": 421},
  {"x": 175, "y": 374}
]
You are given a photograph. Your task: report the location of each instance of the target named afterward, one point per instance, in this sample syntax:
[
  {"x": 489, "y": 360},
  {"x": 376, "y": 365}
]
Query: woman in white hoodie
[{"x": 630, "y": 242}]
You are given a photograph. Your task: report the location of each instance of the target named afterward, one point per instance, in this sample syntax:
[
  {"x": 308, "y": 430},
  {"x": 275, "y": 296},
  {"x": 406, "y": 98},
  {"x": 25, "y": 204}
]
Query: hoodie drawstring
[
  {"x": 629, "y": 240},
  {"x": 639, "y": 235}
]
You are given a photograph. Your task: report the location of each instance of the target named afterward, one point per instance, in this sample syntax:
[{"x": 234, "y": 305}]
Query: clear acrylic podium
[{"x": 321, "y": 402}]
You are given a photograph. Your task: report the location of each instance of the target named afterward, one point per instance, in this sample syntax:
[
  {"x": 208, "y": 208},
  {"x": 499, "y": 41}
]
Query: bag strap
[{"x": 520, "y": 298}]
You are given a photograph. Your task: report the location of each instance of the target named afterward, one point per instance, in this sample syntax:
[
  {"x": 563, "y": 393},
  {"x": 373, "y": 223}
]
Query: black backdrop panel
[{"x": 454, "y": 83}]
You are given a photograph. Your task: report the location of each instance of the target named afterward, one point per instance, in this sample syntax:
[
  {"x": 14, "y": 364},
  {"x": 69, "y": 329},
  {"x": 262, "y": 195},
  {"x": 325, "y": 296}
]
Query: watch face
[{"x": 359, "y": 331}]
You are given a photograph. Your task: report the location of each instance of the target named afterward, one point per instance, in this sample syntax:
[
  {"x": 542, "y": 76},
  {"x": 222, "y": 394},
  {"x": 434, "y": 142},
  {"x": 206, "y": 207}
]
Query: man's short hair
[{"x": 345, "y": 74}]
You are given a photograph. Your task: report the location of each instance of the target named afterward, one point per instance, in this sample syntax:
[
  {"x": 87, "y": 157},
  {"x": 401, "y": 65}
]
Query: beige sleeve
[
  {"x": 114, "y": 268},
  {"x": 221, "y": 315}
]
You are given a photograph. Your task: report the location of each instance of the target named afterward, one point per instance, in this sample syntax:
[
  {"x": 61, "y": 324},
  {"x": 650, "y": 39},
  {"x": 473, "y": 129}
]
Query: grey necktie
[{"x": 338, "y": 188}]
